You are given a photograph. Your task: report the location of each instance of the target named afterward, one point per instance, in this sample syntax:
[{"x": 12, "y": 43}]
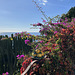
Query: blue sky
[{"x": 17, "y": 15}]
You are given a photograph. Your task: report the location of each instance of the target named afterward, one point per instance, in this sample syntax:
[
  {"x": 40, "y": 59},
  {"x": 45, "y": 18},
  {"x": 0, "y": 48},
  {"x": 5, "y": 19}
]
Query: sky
[{"x": 17, "y": 15}]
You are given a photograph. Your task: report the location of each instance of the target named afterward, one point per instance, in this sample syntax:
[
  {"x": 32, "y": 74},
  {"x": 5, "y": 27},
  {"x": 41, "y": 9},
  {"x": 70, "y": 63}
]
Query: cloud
[{"x": 43, "y": 2}]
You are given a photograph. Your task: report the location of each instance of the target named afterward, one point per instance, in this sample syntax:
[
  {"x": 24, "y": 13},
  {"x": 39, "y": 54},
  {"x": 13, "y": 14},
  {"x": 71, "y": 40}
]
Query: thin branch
[{"x": 40, "y": 10}]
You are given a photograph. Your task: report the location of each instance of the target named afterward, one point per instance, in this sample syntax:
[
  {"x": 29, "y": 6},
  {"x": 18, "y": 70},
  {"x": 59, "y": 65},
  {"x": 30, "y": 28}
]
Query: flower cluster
[
  {"x": 19, "y": 56},
  {"x": 38, "y": 54},
  {"x": 25, "y": 64},
  {"x": 26, "y": 41},
  {"x": 55, "y": 47},
  {"x": 5, "y": 73}
]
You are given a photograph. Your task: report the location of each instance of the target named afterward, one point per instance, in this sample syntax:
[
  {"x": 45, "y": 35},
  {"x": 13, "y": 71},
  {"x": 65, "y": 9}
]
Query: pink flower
[
  {"x": 43, "y": 29},
  {"x": 17, "y": 33},
  {"x": 17, "y": 56},
  {"x": 61, "y": 19},
  {"x": 66, "y": 20},
  {"x": 54, "y": 23},
  {"x": 46, "y": 44},
  {"x": 22, "y": 56},
  {"x": 39, "y": 24},
  {"x": 37, "y": 46},
  {"x": 45, "y": 34},
  {"x": 74, "y": 19},
  {"x": 40, "y": 31},
  {"x": 68, "y": 26},
  {"x": 21, "y": 32},
  {"x": 41, "y": 41},
  {"x": 7, "y": 73},
  {"x": 47, "y": 24},
  {"x": 26, "y": 41},
  {"x": 55, "y": 32},
  {"x": 44, "y": 20},
  {"x": 2, "y": 73},
  {"x": 34, "y": 24}
]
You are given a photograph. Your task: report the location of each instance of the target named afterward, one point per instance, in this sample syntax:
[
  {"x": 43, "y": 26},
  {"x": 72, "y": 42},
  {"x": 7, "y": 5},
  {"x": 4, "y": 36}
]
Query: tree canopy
[{"x": 70, "y": 14}]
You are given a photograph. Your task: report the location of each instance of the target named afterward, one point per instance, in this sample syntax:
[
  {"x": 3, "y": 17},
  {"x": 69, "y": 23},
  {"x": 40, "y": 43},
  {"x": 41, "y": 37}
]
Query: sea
[{"x": 9, "y": 33}]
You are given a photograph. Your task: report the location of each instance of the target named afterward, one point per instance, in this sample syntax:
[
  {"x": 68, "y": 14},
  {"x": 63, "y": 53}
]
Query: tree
[{"x": 70, "y": 14}]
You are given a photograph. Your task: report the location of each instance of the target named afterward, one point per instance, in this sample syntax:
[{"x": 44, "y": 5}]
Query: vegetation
[
  {"x": 54, "y": 50},
  {"x": 70, "y": 14},
  {"x": 10, "y": 47}
]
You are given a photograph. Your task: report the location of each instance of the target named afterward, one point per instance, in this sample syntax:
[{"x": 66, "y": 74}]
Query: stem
[{"x": 40, "y": 10}]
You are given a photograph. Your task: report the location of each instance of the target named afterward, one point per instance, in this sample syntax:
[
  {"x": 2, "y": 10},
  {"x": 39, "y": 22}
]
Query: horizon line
[{"x": 18, "y": 31}]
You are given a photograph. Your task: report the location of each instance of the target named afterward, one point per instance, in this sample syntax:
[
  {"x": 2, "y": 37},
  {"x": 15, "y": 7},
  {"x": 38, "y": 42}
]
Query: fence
[{"x": 9, "y": 49}]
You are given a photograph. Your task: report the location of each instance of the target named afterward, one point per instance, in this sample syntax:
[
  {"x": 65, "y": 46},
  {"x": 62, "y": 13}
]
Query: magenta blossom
[
  {"x": 34, "y": 24},
  {"x": 41, "y": 41},
  {"x": 55, "y": 32},
  {"x": 21, "y": 32},
  {"x": 37, "y": 46},
  {"x": 68, "y": 26},
  {"x": 45, "y": 34},
  {"x": 22, "y": 56},
  {"x": 7, "y": 73},
  {"x": 74, "y": 19},
  {"x": 26, "y": 41},
  {"x": 2, "y": 73},
  {"x": 44, "y": 21},
  {"x": 55, "y": 23},
  {"x": 46, "y": 44},
  {"x": 17, "y": 56},
  {"x": 17, "y": 33},
  {"x": 61, "y": 19},
  {"x": 47, "y": 24},
  {"x": 39, "y": 24}
]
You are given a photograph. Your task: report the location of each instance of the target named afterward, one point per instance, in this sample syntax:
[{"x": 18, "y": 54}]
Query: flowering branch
[{"x": 40, "y": 10}]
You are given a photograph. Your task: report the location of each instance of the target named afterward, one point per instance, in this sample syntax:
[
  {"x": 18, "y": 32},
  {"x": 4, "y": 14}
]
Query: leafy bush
[{"x": 58, "y": 48}]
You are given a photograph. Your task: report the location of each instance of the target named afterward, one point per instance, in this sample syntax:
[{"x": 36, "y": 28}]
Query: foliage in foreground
[
  {"x": 54, "y": 50},
  {"x": 10, "y": 47}
]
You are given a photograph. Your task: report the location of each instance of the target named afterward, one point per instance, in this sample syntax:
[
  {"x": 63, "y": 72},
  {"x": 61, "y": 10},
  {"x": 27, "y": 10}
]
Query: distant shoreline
[
  {"x": 18, "y": 32},
  {"x": 9, "y": 33}
]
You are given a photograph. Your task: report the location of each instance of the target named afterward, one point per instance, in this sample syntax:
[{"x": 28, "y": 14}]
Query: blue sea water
[{"x": 9, "y": 33}]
